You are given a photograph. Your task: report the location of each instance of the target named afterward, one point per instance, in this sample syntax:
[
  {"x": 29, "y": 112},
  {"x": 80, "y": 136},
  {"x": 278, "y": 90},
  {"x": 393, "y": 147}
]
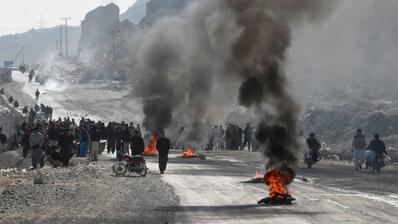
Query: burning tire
[{"x": 119, "y": 169}]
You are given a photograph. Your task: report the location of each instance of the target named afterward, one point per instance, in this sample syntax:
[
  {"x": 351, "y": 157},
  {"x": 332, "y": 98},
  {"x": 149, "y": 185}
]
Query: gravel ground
[{"x": 84, "y": 193}]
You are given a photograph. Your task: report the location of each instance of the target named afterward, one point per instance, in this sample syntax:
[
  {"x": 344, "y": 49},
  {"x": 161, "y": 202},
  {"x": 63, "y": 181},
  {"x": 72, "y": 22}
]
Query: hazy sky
[{"x": 21, "y": 15}]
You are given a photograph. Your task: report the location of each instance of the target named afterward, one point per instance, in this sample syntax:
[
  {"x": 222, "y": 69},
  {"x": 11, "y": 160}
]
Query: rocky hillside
[
  {"x": 136, "y": 12},
  {"x": 156, "y": 9},
  {"x": 38, "y": 44}
]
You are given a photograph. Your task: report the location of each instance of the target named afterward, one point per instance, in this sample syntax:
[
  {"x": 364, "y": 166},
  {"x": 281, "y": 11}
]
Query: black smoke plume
[{"x": 183, "y": 58}]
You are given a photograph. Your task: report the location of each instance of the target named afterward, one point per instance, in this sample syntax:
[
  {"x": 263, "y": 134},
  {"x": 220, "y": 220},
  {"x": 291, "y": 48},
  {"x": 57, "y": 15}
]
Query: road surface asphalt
[{"x": 210, "y": 191}]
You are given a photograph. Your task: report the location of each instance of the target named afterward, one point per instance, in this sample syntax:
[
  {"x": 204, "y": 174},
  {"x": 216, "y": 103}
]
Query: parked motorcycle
[{"x": 131, "y": 164}]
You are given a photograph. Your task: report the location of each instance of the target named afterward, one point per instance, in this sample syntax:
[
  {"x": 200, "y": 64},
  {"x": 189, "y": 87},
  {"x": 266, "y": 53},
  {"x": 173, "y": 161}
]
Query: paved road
[{"x": 210, "y": 192}]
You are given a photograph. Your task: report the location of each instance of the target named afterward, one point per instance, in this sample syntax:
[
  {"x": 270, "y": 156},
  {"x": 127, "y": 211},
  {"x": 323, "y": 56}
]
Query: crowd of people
[
  {"x": 233, "y": 137},
  {"x": 61, "y": 139}
]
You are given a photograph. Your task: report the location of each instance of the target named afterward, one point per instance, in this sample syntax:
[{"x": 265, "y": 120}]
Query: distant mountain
[
  {"x": 136, "y": 12},
  {"x": 38, "y": 44}
]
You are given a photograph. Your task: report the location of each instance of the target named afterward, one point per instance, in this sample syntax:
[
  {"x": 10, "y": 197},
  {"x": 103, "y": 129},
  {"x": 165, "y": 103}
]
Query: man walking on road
[
  {"x": 31, "y": 74},
  {"x": 359, "y": 149},
  {"x": 36, "y": 142},
  {"x": 163, "y": 147},
  {"x": 37, "y": 94}
]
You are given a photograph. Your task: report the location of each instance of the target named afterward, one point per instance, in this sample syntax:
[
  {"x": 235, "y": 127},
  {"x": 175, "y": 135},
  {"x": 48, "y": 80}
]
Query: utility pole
[
  {"x": 66, "y": 34},
  {"x": 57, "y": 45},
  {"x": 114, "y": 33},
  {"x": 60, "y": 41},
  {"x": 23, "y": 58}
]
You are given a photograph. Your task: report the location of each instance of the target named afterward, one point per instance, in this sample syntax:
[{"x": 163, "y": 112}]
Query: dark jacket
[
  {"x": 3, "y": 138},
  {"x": 377, "y": 146},
  {"x": 25, "y": 139},
  {"x": 66, "y": 144},
  {"x": 53, "y": 134},
  {"x": 137, "y": 145},
  {"x": 248, "y": 132},
  {"x": 95, "y": 134},
  {"x": 313, "y": 144},
  {"x": 359, "y": 142},
  {"x": 126, "y": 134},
  {"x": 163, "y": 146}
]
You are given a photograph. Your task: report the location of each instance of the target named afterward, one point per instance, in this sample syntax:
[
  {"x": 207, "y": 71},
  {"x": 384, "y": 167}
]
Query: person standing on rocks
[
  {"x": 359, "y": 150},
  {"x": 163, "y": 146},
  {"x": 36, "y": 141}
]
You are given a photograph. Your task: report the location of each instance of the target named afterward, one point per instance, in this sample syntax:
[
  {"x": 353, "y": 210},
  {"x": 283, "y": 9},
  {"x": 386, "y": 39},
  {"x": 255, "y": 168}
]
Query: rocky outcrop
[
  {"x": 136, "y": 12},
  {"x": 97, "y": 27},
  {"x": 156, "y": 9},
  {"x": 100, "y": 41}
]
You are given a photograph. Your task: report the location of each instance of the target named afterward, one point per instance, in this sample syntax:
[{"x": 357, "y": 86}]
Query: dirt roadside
[{"x": 84, "y": 193}]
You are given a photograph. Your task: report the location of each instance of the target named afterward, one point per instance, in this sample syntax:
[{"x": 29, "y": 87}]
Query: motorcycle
[
  {"x": 374, "y": 161},
  {"x": 131, "y": 164},
  {"x": 311, "y": 157}
]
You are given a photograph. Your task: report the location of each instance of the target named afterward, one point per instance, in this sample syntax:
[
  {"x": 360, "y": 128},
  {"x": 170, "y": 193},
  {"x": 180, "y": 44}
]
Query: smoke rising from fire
[{"x": 181, "y": 59}]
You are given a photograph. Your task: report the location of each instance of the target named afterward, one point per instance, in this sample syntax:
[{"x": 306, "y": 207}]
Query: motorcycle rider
[
  {"x": 378, "y": 147},
  {"x": 163, "y": 147},
  {"x": 314, "y": 146}
]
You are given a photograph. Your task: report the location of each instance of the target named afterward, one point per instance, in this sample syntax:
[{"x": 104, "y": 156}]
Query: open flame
[
  {"x": 190, "y": 152},
  {"x": 277, "y": 184},
  {"x": 150, "y": 150}
]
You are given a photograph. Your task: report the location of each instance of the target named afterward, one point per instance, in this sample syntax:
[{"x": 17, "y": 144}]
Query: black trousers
[
  {"x": 163, "y": 162},
  {"x": 246, "y": 142},
  {"x": 37, "y": 157},
  {"x": 25, "y": 151},
  {"x": 111, "y": 146}
]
